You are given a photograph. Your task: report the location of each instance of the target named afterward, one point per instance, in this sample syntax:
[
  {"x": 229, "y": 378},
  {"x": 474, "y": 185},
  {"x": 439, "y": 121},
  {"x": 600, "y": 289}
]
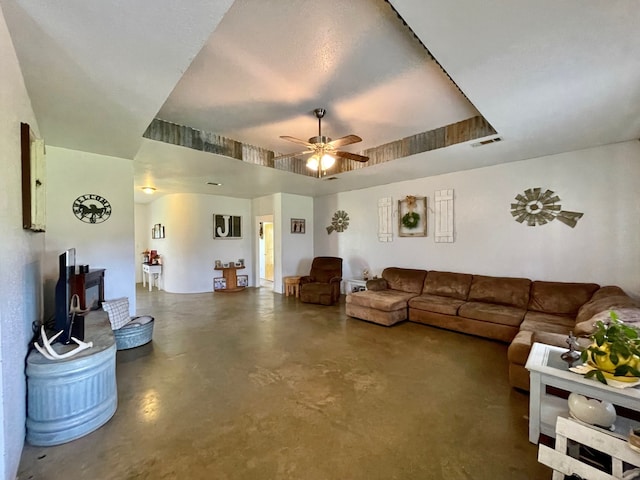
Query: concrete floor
[{"x": 256, "y": 385}]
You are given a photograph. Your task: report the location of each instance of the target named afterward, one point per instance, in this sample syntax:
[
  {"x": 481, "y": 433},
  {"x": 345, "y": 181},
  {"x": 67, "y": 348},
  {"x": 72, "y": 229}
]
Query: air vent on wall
[{"x": 487, "y": 142}]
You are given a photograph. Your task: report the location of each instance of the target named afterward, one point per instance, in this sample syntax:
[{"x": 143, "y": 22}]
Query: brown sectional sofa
[
  {"x": 577, "y": 317},
  {"x": 490, "y": 307},
  {"x": 385, "y": 300},
  {"x": 512, "y": 310}
]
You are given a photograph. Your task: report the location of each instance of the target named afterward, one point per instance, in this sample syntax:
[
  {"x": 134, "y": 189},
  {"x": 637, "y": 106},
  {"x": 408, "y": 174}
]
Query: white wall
[
  {"x": 297, "y": 248},
  {"x": 603, "y": 248},
  {"x": 108, "y": 245},
  {"x": 142, "y": 235},
  {"x": 189, "y": 251},
  {"x": 293, "y": 253},
  {"x": 20, "y": 261}
]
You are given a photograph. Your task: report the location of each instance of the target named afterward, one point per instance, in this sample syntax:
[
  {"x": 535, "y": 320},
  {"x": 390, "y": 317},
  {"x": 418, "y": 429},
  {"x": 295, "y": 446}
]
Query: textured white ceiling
[
  {"x": 549, "y": 76},
  {"x": 269, "y": 63}
]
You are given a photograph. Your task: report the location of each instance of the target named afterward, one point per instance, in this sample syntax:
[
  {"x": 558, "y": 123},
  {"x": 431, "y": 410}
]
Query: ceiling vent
[{"x": 486, "y": 142}]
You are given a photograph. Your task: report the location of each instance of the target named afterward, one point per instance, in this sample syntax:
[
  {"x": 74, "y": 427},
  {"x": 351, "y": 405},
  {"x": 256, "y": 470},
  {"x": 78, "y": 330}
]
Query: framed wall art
[
  {"x": 33, "y": 184},
  {"x": 157, "y": 231},
  {"x": 227, "y": 226},
  {"x": 298, "y": 225},
  {"x": 412, "y": 216}
]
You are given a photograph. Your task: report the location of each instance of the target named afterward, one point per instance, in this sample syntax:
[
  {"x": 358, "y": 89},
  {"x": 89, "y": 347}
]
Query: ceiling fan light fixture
[
  {"x": 327, "y": 161},
  {"x": 313, "y": 163},
  {"x": 324, "y": 149}
]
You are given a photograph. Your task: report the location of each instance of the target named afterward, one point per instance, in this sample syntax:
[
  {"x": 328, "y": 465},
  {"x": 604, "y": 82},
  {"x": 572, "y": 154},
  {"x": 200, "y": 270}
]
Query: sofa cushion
[
  {"x": 547, "y": 322},
  {"x": 385, "y": 300},
  {"x": 436, "y": 303},
  {"x": 376, "y": 316},
  {"x": 404, "y": 279},
  {"x": 520, "y": 347},
  {"x": 559, "y": 297},
  {"x": 447, "y": 284},
  {"x": 605, "y": 298},
  {"x": 500, "y": 290},
  {"x": 377, "y": 284},
  {"x": 556, "y": 339},
  {"x": 493, "y": 313}
]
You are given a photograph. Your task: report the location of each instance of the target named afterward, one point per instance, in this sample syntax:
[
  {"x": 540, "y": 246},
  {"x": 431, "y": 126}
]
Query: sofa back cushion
[
  {"x": 323, "y": 269},
  {"x": 404, "y": 279},
  {"x": 500, "y": 290},
  {"x": 447, "y": 284},
  {"x": 559, "y": 297}
]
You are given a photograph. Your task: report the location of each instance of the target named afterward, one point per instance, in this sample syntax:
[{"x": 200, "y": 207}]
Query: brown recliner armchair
[{"x": 322, "y": 285}]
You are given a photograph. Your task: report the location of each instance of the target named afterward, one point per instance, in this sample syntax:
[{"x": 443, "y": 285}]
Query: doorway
[{"x": 266, "y": 252}]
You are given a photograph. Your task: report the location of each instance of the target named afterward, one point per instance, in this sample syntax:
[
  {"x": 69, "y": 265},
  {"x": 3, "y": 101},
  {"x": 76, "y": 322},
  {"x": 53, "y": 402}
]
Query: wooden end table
[
  {"x": 292, "y": 286},
  {"x": 231, "y": 279}
]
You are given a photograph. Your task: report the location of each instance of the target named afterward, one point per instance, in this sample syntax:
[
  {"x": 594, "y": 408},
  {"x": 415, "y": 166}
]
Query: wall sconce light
[{"x": 148, "y": 190}]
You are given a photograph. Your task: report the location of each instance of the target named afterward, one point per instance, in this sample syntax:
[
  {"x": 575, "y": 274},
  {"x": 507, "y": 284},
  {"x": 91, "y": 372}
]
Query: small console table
[
  {"x": 151, "y": 272},
  {"x": 67, "y": 399},
  {"x": 354, "y": 285},
  {"x": 230, "y": 278}
]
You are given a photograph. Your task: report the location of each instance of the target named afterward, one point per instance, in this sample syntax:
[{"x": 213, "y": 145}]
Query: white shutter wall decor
[
  {"x": 444, "y": 216},
  {"x": 385, "y": 227}
]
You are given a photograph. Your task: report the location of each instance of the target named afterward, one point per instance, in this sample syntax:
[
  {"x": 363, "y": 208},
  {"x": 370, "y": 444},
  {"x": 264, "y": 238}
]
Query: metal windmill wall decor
[
  {"x": 538, "y": 208},
  {"x": 339, "y": 222}
]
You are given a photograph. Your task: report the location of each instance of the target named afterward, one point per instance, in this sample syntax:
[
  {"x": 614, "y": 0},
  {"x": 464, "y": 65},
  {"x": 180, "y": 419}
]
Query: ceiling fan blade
[
  {"x": 290, "y": 155},
  {"x": 352, "y": 156},
  {"x": 295, "y": 140},
  {"x": 346, "y": 140}
]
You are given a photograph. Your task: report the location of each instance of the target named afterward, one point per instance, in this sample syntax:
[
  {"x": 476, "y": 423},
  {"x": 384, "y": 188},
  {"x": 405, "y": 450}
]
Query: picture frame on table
[
  {"x": 219, "y": 283},
  {"x": 242, "y": 280}
]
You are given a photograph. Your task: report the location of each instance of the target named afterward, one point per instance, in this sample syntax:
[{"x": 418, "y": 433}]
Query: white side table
[
  {"x": 547, "y": 368},
  {"x": 354, "y": 285},
  {"x": 151, "y": 272},
  {"x": 566, "y": 460}
]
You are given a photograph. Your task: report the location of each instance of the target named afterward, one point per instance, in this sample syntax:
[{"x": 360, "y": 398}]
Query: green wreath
[{"x": 410, "y": 220}]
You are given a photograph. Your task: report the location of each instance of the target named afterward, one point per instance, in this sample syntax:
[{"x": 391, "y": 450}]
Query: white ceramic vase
[{"x": 591, "y": 411}]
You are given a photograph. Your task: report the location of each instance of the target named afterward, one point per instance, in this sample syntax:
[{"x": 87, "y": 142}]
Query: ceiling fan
[{"x": 324, "y": 150}]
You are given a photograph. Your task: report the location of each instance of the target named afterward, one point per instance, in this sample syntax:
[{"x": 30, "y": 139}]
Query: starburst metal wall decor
[
  {"x": 537, "y": 208},
  {"x": 339, "y": 222}
]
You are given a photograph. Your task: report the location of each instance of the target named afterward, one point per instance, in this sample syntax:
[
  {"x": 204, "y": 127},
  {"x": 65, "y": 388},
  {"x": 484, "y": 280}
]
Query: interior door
[{"x": 268, "y": 251}]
